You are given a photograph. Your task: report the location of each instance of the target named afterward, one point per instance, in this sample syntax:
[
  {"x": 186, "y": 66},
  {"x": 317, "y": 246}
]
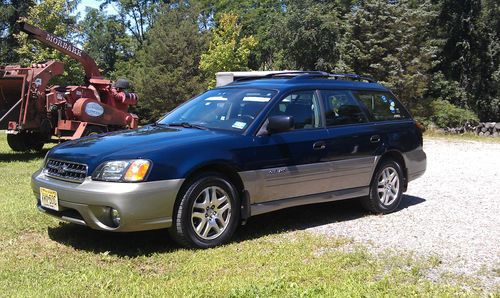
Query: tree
[
  {"x": 55, "y": 17},
  {"x": 267, "y": 21},
  {"x": 308, "y": 35},
  {"x": 392, "y": 42},
  {"x": 488, "y": 91},
  {"x": 105, "y": 40},
  {"x": 137, "y": 15},
  {"x": 10, "y": 12},
  {"x": 165, "y": 71},
  {"x": 228, "y": 51},
  {"x": 469, "y": 57}
]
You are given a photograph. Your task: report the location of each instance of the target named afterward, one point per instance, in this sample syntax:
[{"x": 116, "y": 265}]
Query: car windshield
[{"x": 227, "y": 109}]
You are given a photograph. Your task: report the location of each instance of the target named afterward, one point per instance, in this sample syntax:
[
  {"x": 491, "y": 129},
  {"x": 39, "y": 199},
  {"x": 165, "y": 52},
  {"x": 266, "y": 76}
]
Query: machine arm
[{"x": 89, "y": 65}]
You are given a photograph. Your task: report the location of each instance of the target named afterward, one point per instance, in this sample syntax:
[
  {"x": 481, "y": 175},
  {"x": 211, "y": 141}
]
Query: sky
[{"x": 94, "y": 4}]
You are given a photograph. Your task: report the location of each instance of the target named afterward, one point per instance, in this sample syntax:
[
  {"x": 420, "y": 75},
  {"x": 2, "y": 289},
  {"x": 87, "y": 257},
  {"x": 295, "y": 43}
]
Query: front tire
[
  {"x": 386, "y": 188},
  {"x": 208, "y": 212}
]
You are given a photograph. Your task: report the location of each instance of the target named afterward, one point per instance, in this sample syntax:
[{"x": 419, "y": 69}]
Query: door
[
  {"x": 352, "y": 142},
  {"x": 289, "y": 164}
]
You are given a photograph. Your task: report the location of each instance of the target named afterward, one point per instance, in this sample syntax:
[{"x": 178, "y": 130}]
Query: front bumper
[{"x": 142, "y": 206}]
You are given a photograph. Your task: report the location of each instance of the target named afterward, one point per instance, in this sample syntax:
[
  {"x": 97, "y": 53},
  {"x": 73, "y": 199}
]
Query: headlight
[{"x": 122, "y": 170}]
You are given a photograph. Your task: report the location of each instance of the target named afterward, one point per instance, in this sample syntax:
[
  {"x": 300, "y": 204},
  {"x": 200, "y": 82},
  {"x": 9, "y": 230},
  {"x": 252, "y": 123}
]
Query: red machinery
[{"x": 34, "y": 112}]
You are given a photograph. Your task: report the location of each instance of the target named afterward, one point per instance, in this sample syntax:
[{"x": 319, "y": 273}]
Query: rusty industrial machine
[{"x": 34, "y": 113}]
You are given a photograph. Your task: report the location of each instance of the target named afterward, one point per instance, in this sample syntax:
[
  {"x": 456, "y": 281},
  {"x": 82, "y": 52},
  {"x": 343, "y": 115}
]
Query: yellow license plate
[{"x": 48, "y": 198}]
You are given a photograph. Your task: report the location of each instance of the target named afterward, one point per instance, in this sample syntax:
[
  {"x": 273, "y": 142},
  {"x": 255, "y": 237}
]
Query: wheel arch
[
  {"x": 230, "y": 172},
  {"x": 397, "y": 156}
]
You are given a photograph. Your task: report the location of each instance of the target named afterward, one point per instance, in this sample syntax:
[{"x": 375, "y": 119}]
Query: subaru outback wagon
[{"x": 251, "y": 147}]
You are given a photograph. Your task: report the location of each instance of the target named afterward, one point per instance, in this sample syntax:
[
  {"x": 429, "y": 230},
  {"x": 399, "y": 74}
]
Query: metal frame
[{"x": 300, "y": 75}]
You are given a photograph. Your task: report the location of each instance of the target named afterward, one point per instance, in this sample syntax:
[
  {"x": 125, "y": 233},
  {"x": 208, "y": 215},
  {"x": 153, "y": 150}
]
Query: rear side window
[
  {"x": 341, "y": 108},
  {"x": 382, "y": 106}
]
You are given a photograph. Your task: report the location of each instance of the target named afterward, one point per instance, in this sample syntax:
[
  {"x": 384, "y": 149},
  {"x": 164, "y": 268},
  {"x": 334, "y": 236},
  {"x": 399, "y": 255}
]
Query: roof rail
[
  {"x": 282, "y": 74},
  {"x": 296, "y": 75},
  {"x": 337, "y": 76}
]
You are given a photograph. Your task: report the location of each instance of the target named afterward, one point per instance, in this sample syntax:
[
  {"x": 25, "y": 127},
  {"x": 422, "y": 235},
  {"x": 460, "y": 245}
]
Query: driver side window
[{"x": 303, "y": 106}]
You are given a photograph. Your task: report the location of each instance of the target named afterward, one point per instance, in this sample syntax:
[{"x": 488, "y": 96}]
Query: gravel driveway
[{"x": 454, "y": 212}]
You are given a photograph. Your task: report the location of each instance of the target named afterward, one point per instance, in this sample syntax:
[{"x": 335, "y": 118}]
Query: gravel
[{"x": 453, "y": 211}]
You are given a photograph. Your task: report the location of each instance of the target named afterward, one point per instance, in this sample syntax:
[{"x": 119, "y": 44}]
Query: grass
[
  {"x": 460, "y": 137},
  {"x": 270, "y": 256}
]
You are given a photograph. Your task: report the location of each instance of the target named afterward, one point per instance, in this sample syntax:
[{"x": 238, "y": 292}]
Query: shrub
[{"x": 444, "y": 114}]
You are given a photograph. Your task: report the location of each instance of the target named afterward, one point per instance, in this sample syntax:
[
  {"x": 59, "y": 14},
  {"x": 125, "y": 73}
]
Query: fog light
[{"x": 115, "y": 216}]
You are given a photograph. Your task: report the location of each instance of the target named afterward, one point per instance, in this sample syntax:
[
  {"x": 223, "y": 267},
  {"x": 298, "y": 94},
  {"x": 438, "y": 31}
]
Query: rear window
[
  {"x": 382, "y": 106},
  {"x": 341, "y": 108}
]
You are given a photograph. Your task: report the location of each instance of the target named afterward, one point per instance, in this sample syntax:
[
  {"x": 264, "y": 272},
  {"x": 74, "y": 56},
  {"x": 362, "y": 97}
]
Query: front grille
[{"x": 66, "y": 170}]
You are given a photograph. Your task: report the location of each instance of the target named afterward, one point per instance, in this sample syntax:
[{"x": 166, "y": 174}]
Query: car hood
[{"x": 131, "y": 144}]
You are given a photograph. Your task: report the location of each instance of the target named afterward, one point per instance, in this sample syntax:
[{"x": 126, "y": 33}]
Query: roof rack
[
  {"x": 281, "y": 74},
  {"x": 296, "y": 73},
  {"x": 224, "y": 78},
  {"x": 300, "y": 75},
  {"x": 336, "y": 76}
]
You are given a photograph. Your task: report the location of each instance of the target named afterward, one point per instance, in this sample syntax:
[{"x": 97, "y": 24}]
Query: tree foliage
[
  {"x": 166, "y": 70},
  {"x": 136, "y": 15},
  {"x": 445, "y": 114},
  {"x": 228, "y": 50},
  {"x": 105, "y": 40},
  {"x": 469, "y": 56},
  {"x": 308, "y": 35},
  {"x": 441, "y": 57},
  {"x": 10, "y": 12},
  {"x": 58, "y": 18},
  {"x": 392, "y": 42}
]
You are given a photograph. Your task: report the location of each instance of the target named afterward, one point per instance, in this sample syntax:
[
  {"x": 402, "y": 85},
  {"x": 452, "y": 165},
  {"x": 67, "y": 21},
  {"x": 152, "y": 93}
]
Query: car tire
[
  {"x": 386, "y": 188},
  {"x": 207, "y": 213}
]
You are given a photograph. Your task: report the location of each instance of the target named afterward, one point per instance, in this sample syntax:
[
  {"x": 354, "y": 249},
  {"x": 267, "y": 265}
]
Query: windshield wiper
[
  {"x": 159, "y": 124},
  {"x": 188, "y": 125}
]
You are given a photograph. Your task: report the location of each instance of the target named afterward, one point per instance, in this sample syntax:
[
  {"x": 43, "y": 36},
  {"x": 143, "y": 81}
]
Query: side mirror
[{"x": 280, "y": 123}]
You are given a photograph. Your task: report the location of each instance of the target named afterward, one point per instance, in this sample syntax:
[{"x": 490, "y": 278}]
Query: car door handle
[
  {"x": 375, "y": 139},
  {"x": 319, "y": 145}
]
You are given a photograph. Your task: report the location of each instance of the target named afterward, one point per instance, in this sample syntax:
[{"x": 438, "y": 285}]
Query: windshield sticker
[
  {"x": 239, "y": 125},
  {"x": 384, "y": 99},
  {"x": 257, "y": 99},
  {"x": 393, "y": 110},
  {"x": 219, "y": 98}
]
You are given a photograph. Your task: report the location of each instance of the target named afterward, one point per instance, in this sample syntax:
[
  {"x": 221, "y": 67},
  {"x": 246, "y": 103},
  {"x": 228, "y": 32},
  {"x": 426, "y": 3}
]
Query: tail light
[{"x": 419, "y": 126}]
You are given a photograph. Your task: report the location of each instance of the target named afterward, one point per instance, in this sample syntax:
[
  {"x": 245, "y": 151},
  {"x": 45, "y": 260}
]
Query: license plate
[{"x": 48, "y": 198}]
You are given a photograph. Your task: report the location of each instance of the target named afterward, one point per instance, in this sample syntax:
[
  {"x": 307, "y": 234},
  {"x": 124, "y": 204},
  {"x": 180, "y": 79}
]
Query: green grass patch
[
  {"x": 40, "y": 256},
  {"x": 429, "y": 134}
]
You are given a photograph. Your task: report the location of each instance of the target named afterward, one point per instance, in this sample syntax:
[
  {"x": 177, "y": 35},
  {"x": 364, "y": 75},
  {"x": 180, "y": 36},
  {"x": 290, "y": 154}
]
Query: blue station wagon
[{"x": 254, "y": 146}]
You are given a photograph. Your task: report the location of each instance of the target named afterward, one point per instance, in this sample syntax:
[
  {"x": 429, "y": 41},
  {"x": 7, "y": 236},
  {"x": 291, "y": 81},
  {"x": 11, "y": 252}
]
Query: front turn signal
[{"x": 137, "y": 170}]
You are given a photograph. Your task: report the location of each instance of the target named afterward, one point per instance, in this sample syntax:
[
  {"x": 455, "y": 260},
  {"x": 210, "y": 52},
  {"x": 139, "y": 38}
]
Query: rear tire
[
  {"x": 386, "y": 188},
  {"x": 208, "y": 212}
]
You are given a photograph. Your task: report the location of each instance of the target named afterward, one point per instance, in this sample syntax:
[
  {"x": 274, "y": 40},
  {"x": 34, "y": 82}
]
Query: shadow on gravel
[
  {"x": 21, "y": 156},
  {"x": 146, "y": 243}
]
